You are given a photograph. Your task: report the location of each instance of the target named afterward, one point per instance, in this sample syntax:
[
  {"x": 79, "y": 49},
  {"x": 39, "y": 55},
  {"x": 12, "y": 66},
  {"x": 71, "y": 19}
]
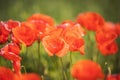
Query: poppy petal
[{"x": 6, "y": 74}]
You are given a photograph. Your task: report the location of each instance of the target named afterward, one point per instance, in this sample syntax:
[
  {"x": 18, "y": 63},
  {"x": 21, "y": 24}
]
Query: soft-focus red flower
[
  {"x": 90, "y": 20},
  {"x": 27, "y": 76},
  {"x": 4, "y": 32},
  {"x": 12, "y": 24},
  {"x": 118, "y": 28},
  {"x": 11, "y": 52},
  {"x": 43, "y": 24},
  {"x": 107, "y": 36},
  {"x": 103, "y": 36},
  {"x": 17, "y": 67},
  {"x": 108, "y": 48},
  {"x": 30, "y": 76},
  {"x": 73, "y": 34},
  {"x": 14, "y": 40},
  {"x": 6, "y": 74},
  {"x": 24, "y": 33},
  {"x": 87, "y": 70},
  {"x": 113, "y": 77},
  {"x": 42, "y": 17},
  {"x": 54, "y": 44}
]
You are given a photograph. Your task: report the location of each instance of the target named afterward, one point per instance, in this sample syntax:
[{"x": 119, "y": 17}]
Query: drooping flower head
[
  {"x": 87, "y": 70},
  {"x": 43, "y": 24},
  {"x": 90, "y": 20},
  {"x": 11, "y": 52},
  {"x": 25, "y": 33}
]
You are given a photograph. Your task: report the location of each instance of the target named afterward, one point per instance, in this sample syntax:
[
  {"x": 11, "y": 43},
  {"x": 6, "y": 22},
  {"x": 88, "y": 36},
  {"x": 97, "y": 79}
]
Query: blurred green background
[{"x": 60, "y": 10}]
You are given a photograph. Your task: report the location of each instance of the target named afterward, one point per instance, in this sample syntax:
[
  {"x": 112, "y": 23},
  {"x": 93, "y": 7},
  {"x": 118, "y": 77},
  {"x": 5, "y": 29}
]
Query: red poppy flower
[
  {"x": 27, "y": 76},
  {"x": 54, "y": 44},
  {"x": 113, "y": 77},
  {"x": 42, "y": 17},
  {"x": 43, "y": 24},
  {"x": 17, "y": 67},
  {"x": 73, "y": 34},
  {"x": 108, "y": 48},
  {"x": 6, "y": 74},
  {"x": 103, "y": 37},
  {"x": 24, "y": 33},
  {"x": 66, "y": 23},
  {"x": 18, "y": 77},
  {"x": 118, "y": 28},
  {"x": 91, "y": 20},
  {"x": 87, "y": 70},
  {"x": 107, "y": 36},
  {"x": 10, "y": 52},
  {"x": 4, "y": 32},
  {"x": 14, "y": 40},
  {"x": 12, "y": 24},
  {"x": 30, "y": 76}
]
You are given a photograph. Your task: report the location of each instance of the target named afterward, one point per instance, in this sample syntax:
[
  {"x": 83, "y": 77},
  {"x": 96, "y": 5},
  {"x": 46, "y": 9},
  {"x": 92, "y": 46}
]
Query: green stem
[
  {"x": 95, "y": 54},
  {"x": 26, "y": 50},
  {"x": 39, "y": 50},
  {"x": 39, "y": 57},
  {"x": 55, "y": 61},
  {"x": 70, "y": 58},
  {"x": 71, "y": 62},
  {"x": 90, "y": 54},
  {"x": 117, "y": 62},
  {"x": 63, "y": 72},
  {"x": 24, "y": 68},
  {"x": 108, "y": 70},
  {"x": 33, "y": 60}
]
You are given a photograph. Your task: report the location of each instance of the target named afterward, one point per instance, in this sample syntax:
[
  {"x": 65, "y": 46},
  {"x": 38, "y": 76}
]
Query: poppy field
[{"x": 39, "y": 49}]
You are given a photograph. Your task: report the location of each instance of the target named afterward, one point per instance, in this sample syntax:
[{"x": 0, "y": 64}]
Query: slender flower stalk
[
  {"x": 39, "y": 56},
  {"x": 70, "y": 58},
  {"x": 56, "y": 63},
  {"x": 108, "y": 70},
  {"x": 39, "y": 50},
  {"x": 24, "y": 68},
  {"x": 26, "y": 50},
  {"x": 63, "y": 71},
  {"x": 71, "y": 62}
]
